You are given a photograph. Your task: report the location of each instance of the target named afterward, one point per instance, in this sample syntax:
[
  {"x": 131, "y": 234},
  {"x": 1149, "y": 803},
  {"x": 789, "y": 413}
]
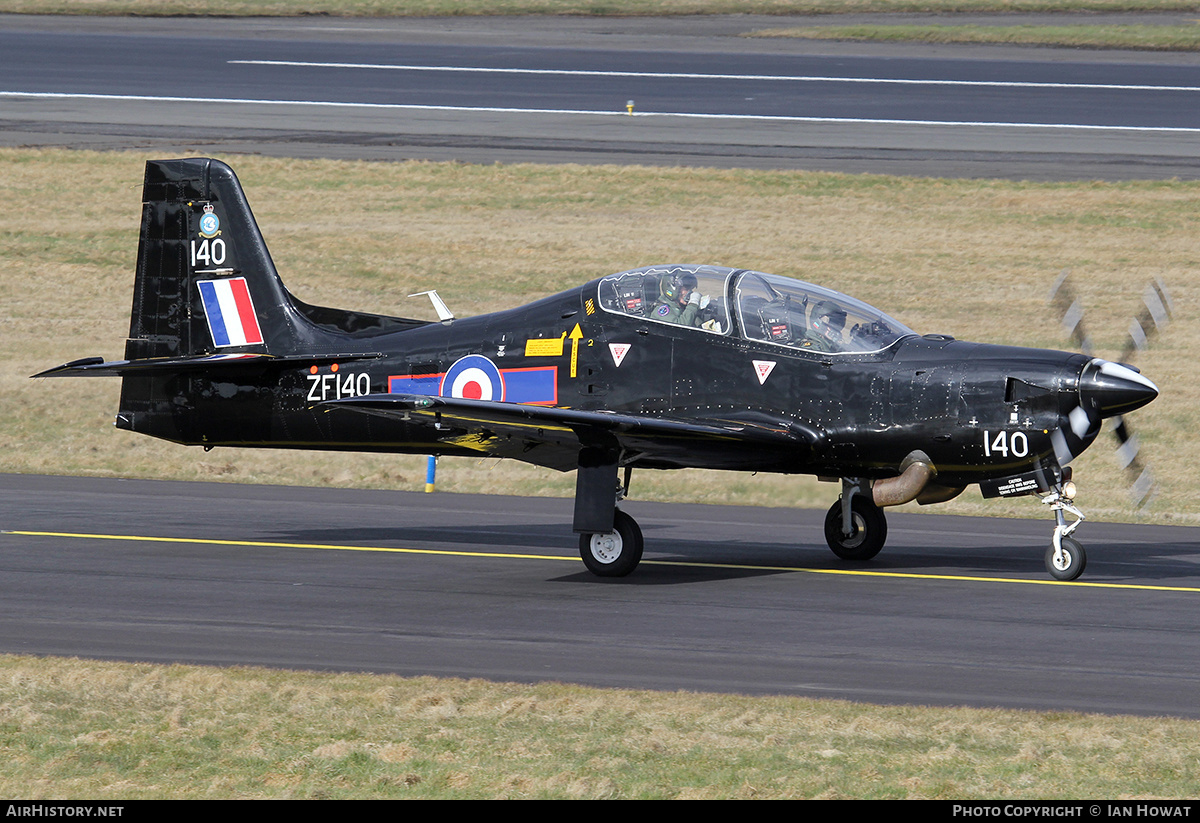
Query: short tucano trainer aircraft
[{"x": 660, "y": 367}]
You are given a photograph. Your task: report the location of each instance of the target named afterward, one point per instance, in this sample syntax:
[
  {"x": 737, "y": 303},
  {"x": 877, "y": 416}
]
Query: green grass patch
[{"x": 113, "y": 731}]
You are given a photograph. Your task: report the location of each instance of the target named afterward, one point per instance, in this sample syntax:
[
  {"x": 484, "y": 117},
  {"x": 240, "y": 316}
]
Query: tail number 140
[{"x": 208, "y": 252}]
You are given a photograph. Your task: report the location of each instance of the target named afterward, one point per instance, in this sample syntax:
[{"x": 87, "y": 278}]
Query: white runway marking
[
  {"x": 798, "y": 78},
  {"x": 599, "y": 113}
]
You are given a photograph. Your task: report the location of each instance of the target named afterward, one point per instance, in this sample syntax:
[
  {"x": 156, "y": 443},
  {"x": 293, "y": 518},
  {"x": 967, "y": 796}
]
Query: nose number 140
[{"x": 1003, "y": 444}]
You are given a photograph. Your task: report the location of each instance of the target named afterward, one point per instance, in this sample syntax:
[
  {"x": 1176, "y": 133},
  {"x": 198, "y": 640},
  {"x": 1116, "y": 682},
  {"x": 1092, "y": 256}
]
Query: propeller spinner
[{"x": 1109, "y": 389}]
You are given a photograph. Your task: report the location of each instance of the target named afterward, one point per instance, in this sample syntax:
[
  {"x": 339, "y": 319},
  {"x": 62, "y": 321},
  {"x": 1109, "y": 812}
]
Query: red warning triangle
[{"x": 763, "y": 368}]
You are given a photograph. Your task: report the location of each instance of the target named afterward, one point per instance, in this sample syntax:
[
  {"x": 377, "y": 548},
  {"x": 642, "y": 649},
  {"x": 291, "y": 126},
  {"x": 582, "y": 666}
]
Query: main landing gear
[
  {"x": 610, "y": 541},
  {"x": 855, "y": 528},
  {"x": 616, "y": 553}
]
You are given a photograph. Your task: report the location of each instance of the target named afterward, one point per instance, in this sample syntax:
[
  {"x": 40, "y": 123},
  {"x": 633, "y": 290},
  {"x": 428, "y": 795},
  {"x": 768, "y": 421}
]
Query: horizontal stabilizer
[{"x": 99, "y": 367}]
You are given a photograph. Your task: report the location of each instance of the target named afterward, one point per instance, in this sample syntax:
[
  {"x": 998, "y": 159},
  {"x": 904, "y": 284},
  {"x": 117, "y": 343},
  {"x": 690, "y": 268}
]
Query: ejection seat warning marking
[
  {"x": 762, "y": 369},
  {"x": 619, "y": 350}
]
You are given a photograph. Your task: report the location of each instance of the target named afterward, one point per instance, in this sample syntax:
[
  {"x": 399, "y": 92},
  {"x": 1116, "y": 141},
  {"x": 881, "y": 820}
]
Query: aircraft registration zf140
[{"x": 661, "y": 367}]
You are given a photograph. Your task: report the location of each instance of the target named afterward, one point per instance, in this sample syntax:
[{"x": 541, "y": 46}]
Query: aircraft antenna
[{"x": 439, "y": 305}]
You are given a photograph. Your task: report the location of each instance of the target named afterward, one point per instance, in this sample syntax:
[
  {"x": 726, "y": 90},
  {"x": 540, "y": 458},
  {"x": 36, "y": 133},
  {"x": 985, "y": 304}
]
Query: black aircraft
[{"x": 661, "y": 367}]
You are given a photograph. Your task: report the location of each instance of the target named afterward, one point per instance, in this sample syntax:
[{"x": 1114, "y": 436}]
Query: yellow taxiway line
[{"x": 201, "y": 541}]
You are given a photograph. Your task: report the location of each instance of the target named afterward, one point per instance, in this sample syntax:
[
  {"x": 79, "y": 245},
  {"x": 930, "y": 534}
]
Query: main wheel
[
  {"x": 616, "y": 553},
  {"x": 868, "y": 530},
  {"x": 1072, "y": 562}
]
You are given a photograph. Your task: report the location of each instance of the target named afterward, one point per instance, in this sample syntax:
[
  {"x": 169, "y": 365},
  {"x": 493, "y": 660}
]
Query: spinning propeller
[{"x": 1155, "y": 315}]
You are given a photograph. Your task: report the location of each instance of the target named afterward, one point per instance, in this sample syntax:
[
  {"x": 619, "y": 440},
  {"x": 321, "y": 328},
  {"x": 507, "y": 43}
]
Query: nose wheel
[{"x": 1068, "y": 562}]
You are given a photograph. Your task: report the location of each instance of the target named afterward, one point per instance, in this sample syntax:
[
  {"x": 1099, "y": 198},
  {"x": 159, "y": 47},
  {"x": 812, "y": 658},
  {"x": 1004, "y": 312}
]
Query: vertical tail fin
[
  {"x": 205, "y": 287},
  {"x": 205, "y": 284},
  {"x": 205, "y": 280}
]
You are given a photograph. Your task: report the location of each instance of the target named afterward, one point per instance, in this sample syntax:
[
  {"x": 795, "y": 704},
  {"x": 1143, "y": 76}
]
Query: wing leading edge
[{"x": 552, "y": 436}]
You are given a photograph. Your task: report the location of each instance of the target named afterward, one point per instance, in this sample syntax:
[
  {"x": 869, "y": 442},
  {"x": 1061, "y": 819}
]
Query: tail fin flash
[{"x": 205, "y": 280}]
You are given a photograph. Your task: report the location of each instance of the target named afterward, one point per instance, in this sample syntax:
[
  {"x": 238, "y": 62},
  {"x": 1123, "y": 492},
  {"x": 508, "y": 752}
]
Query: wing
[{"x": 551, "y": 436}]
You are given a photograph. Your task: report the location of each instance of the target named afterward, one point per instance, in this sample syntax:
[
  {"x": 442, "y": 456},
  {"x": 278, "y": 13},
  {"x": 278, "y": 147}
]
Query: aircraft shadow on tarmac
[{"x": 1172, "y": 563}]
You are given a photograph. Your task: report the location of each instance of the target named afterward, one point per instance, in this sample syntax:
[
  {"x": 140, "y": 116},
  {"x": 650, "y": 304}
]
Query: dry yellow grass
[
  {"x": 1168, "y": 36},
  {"x": 972, "y": 258},
  {"x": 96, "y": 730}
]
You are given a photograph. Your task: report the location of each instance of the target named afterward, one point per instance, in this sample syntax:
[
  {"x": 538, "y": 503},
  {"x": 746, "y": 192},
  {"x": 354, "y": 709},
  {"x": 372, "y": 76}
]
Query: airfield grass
[
  {"x": 1143, "y": 37},
  {"x": 975, "y": 259},
  {"x": 114, "y": 731}
]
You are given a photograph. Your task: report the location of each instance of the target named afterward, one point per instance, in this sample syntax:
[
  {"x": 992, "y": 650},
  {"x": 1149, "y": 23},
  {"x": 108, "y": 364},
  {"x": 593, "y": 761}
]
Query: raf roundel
[{"x": 473, "y": 377}]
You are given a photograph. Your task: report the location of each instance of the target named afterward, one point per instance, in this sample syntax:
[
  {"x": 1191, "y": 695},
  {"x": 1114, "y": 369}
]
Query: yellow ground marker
[{"x": 201, "y": 541}]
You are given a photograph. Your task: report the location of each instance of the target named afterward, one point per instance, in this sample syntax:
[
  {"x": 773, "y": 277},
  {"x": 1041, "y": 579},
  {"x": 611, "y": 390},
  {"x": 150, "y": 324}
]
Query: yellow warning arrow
[{"x": 576, "y": 335}]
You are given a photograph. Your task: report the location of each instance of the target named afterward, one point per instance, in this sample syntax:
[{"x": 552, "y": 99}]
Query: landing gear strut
[
  {"x": 1065, "y": 559},
  {"x": 855, "y": 528},
  {"x": 610, "y": 541}
]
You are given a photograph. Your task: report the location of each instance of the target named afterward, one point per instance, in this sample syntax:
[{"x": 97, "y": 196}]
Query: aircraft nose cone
[{"x": 1111, "y": 389}]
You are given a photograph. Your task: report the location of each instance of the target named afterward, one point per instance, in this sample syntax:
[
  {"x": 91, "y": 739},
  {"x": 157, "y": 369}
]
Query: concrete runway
[
  {"x": 505, "y": 90},
  {"x": 955, "y": 611}
]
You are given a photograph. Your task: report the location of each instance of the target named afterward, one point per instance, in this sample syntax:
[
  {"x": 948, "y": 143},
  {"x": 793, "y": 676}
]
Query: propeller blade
[
  {"x": 1155, "y": 315},
  {"x": 1070, "y": 310},
  {"x": 1141, "y": 481}
]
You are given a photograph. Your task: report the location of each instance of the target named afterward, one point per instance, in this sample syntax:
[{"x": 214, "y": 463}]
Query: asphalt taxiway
[{"x": 564, "y": 89}]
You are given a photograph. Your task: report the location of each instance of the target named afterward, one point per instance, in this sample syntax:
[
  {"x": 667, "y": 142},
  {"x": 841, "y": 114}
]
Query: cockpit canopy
[{"x": 764, "y": 307}]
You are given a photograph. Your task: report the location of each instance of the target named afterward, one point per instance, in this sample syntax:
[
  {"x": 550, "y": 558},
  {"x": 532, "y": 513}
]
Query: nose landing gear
[{"x": 1065, "y": 558}]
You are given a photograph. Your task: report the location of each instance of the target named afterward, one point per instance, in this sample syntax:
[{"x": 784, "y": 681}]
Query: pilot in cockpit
[
  {"x": 825, "y": 325},
  {"x": 679, "y": 301}
]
